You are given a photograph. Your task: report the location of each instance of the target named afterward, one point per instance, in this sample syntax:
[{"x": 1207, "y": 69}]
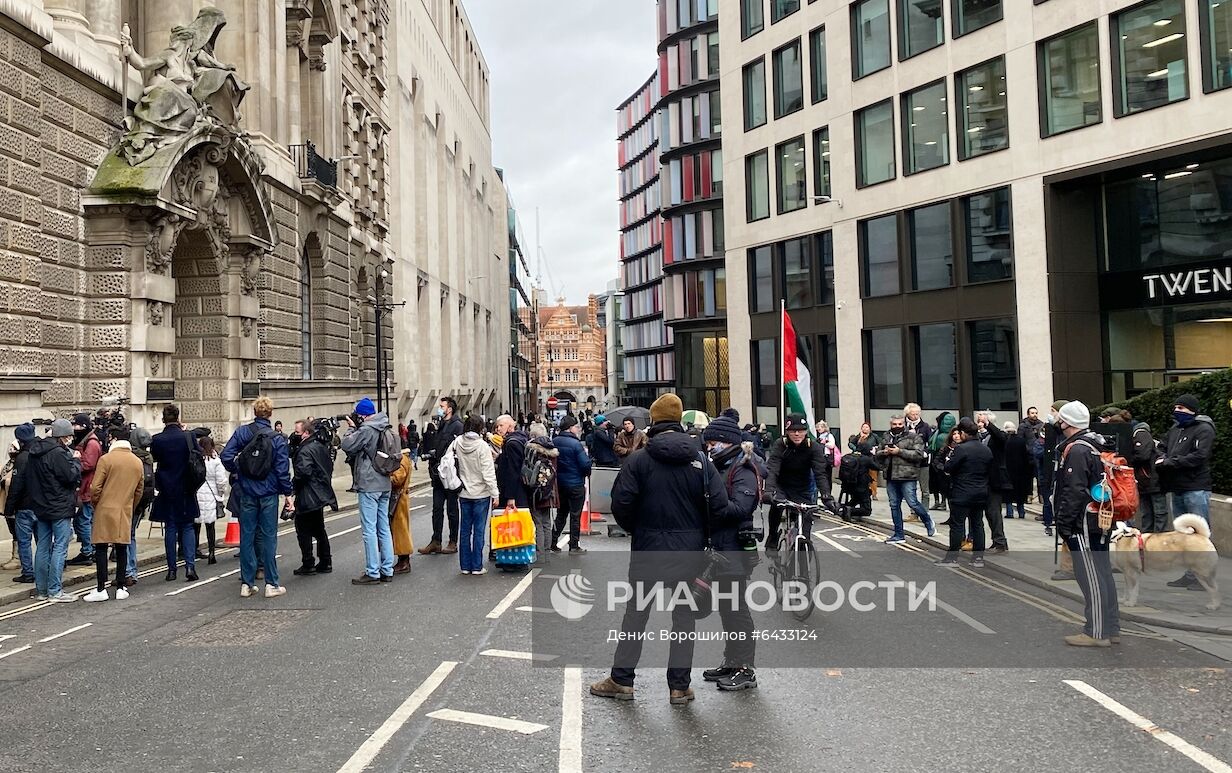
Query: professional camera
[
  {"x": 41, "y": 422},
  {"x": 329, "y": 424},
  {"x": 750, "y": 538}
]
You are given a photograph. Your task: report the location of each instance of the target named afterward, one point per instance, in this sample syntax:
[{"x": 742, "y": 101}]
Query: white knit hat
[{"x": 1076, "y": 414}]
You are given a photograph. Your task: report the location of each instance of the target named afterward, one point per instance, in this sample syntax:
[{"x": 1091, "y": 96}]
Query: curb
[{"x": 1048, "y": 585}]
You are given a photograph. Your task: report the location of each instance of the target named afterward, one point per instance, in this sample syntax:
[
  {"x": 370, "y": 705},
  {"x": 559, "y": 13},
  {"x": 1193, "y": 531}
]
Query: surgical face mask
[
  {"x": 717, "y": 448},
  {"x": 1183, "y": 418},
  {"x": 440, "y": 413},
  {"x": 1052, "y": 418}
]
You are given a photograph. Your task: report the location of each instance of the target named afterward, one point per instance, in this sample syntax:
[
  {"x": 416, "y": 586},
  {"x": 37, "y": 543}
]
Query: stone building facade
[{"x": 572, "y": 355}]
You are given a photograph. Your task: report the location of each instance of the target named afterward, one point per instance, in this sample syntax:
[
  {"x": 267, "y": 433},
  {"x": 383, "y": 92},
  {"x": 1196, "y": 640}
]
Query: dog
[{"x": 1189, "y": 546}]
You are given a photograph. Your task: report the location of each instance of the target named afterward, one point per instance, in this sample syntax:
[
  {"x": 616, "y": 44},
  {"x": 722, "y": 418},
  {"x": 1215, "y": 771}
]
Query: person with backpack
[
  {"x": 1080, "y": 468},
  {"x": 52, "y": 480},
  {"x": 412, "y": 443},
  {"x": 210, "y": 497},
  {"x": 260, "y": 458},
  {"x": 86, "y": 441},
  {"x": 796, "y": 462},
  {"x": 115, "y": 490},
  {"x": 539, "y": 484},
  {"x": 314, "y": 491},
  {"x": 444, "y": 500},
  {"x": 1155, "y": 517},
  {"x": 573, "y": 467},
  {"x": 374, "y": 453},
  {"x": 180, "y": 472},
  {"x": 478, "y": 496}
]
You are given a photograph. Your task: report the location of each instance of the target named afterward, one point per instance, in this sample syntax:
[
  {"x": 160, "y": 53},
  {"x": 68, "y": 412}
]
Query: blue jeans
[
  {"x": 374, "y": 526},
  {"x": 52, "y": 538},
  {"x": 23, "y": 524},
  {"x": 132, "y": 545},
  {"x": 897, "y": 491},
  {"x": 257, "y": 513},
  {"x": 474, "y": 526},
  {"x": 83, "y": 525},
  {"x": 180, "y": 534},
  {"x": 1196, "y": 502}
]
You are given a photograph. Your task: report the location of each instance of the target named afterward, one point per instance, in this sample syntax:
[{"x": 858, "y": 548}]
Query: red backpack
[{"x": 1116, "y": 493}]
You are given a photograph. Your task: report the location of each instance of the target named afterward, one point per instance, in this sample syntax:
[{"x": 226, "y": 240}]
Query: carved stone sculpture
[
  {"x": 154, "y": 311},
  {"x": 161, "y": 242}
]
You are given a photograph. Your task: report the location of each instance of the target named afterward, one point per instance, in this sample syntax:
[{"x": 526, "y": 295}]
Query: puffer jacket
[
  {"x": 52, "y": 478},
  {"x": 793, "y": 471},
  {"x": 905, "y": 465},
  {"x": 1186, "y": 464},
  {"x": 573, "y": 467},
  {"x": 738, "y": 468},
  {"x": 213, "y": 491},
  {"x": 476, "y": 467},
  {"x": 1079, "y": 467},
  {"x": 360, "y": 444},
  {"x": 314, "y": 476}
]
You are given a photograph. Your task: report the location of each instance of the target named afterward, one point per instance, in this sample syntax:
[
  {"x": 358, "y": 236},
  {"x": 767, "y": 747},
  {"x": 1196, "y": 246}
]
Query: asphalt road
[{"x": 428, "y": 673}]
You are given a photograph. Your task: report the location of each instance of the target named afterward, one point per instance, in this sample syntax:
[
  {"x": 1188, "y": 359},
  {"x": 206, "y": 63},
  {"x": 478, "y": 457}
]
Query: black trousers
[
  {"x": 443, "y": 500},
  {"x": 309, "y": 526},
  {"x": 966, "y": 520},
  {"x": 680, "y": 653},
  {"x": 100, "y": 564},
  {"x": 571, "y": 502},
  {"x": 737, "y": 618},
  {"x": 994, "y": 511}
]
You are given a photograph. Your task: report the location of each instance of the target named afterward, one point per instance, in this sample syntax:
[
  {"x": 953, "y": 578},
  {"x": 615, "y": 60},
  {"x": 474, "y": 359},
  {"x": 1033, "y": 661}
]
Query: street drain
[{"x": 241, "y": 628}]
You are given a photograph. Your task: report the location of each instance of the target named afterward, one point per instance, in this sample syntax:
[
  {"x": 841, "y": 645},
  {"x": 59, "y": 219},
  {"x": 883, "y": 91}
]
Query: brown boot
[
  {"x": 450, "y": 549},
  {"x": 430, "y": 548},
  {"x": 680, "y": 697},
  {"x": 1082, "y": 640},
  {"x": 610, "y": 689},
  {"x": 403, "y": 566}
]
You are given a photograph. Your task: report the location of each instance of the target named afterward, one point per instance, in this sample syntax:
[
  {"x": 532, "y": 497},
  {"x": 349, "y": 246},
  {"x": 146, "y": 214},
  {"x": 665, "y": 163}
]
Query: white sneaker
[
  {"x": 97, "y": 595},
  {"x": 479, "y": 571},
  {"x": 273, "y": 591},
  {"x": 247, "y": 590},
  {"x": 121, "y": 594},
  {"x": 466, "y": 571},
  {"x": 62, "y": 598}
]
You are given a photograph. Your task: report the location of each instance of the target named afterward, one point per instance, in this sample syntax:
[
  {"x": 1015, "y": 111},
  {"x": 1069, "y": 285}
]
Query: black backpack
[
  {"x": 194, "y": 474},
  {"x": 257, "y": 458},
  {"x": 853, "y": 474}
]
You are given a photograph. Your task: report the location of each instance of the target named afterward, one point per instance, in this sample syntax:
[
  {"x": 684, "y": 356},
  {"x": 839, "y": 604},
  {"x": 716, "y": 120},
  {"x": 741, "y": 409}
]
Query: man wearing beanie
[
  {"x": 1185, "y": 467},
  {"x": 17, "y": 510},
  {"x": 86, "y": 442},
  {"x": 1079, "y": 469},
  {"x": 797, "y": 468},
  {"x": 360, "y": 444},
  {"x": 663, "y": 497},
  {"x": 52, "y": 479}
]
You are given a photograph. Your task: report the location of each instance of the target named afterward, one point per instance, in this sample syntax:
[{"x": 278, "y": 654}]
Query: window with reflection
[
  {"x": 875, "y": 144},
  {"x": 1069, "y": 77},
  {"x": 761, "y": 274},
  {"x": 983, "y": 110},
  {"x": 920, "y": 27},
  {"x": 788, "y": 80},
  {"x": 797, "y": 273},
  {"x": 927, "y": 116},
  {"x": 1152, "y": 51},
  {"x": 994, "y": 364},
  {"x": 782, "y": 8},
  {"x": 932, "y": 248},
  {"x": 757, "y": 185},
  {"x": 823, "y": 250},
  {"x": 937, "y": 364},
  {"x": 879, "y": 255},
  {"x": 754, "y": 94},
  {"x": 821, "y": 161},
  {"x": 989, "y": 229},
  {"x": 752, "y": 17},
  {"x": 883, "y": 354},
  {"x": 817, "y": 64},
  {"x": 971, "y": 15},
  {"x": 1216, "y": 24},
  {"x": 792, "y": 178},
  {"x": 870, "y": 37}
]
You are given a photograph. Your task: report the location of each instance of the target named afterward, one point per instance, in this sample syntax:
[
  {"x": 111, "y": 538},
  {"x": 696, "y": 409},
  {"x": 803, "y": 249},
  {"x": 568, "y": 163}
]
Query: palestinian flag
[{"x": 797, "y": 376}]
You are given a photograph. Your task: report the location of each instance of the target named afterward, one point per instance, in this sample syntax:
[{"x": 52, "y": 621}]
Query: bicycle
[{"x": 797, "y": 558}]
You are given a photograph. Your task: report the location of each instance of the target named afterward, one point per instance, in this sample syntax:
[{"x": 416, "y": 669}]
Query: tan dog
[{"x": 1188, "y": 547}]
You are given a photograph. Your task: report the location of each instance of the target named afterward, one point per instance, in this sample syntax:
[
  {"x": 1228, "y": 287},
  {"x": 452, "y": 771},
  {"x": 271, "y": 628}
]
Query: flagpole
[{"x": 783, "y": 367}]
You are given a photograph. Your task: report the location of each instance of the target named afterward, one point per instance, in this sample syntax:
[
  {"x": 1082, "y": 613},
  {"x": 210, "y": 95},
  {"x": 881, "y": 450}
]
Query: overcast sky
[{"x": 559, "y": 69}]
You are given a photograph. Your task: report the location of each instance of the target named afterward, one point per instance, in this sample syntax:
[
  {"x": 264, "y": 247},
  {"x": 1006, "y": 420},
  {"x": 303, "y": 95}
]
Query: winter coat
[
  {"x": 1030, "y": 430},
  {"x": 147, "y": 466},
  {"x": 998, "y": 476},
  {"x": 738, "y": 469},
  {"x": 628, "y": 442},
  {"x": 314, "y": 476},
  {"x": 924, "y": 430},
  {"x": 573, "y": 467},
  {"x": 16, "y": 494},
  {"x": 543, "y": 500},
  {"x": 174, "y": 503},
  {"x": 213, "y": 491},
  {"x": 1186, "y": 463},
  {"x": 1020, "y": 467},
  {"x": 115, "y": 490},
  {"x": 604, "y": 443},
  {"x": 400, "y": 507},
  {"x": 788, "y": 469},
  {"x": 52, "y": 479},
  {"x": 660, "y": 496},
  {"x": 1078, "y": 469},
  {"x": 278, "y": 481},
  {"x": 91, "y": 451},
  {"x": 476, "y": 467},
  {"x": 360, "y": 445},
  {"x": 865, "y": 446},
  {"x": 905, "y": 465},
  {"x": 945, "y": 425},
  {"x": 1144, "y": 456},
  {"x": 449, "y": 431},
  {"x": 968, "y": 468},
  {"x": 509, "y": 469}
]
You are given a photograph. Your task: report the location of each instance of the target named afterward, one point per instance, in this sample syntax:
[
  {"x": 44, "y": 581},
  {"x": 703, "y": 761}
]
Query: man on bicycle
[{"x": 796, "y": 465}]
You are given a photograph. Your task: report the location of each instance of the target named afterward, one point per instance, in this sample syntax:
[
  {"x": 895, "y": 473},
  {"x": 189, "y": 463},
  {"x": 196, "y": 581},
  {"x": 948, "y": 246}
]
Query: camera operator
[
  {"x": 792, "y": 459},
  {"x": 314, "y": 491}
]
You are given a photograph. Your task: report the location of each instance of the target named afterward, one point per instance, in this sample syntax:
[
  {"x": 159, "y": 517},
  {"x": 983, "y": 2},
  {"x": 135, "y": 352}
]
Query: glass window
[
  {"x": 781, "y": 8},
  {"x": 984, "y": 124},
  {"x": 971, "y": 15},
  {"x": 766, "y": 369},
  {"x": 920, "y": 26},
  {"x": 823, "y": 248},
  {"x": 1216, "y": 23},
  {"x": 937, "y": 365},
  {"x": 792, "y": 177},
  {"x": 821, "y": 161},
  {"x": 752, "y": 17},
  {"x": 870, "y": 37},
  {"x": 1151, "y": 53},
  {"x": 761, "y": 300},
  {"x": 829, "y": 350},
  {"x": 875, "y": 144},
  {"x": 927, "y": 117},
  {"x": 757, "y": 185},
  {"x": 1069, "y": 76},
  {"x": 712, "y": 55},
  {"x": 797, "y": 273},
  {"x": 932, "y": 248},
  {"x": 754, "y": 94},
  {"x": 994, "y": 364},
  {"x": 716, "y": 113},
  {"x": 885, "y": 364},
  {"x": 817, "y": 64},
  {"x": 879, "y": 255},
  {"x": 990, "y": 236},
  {"x": 305, "y": 316},
  {"x": 788, "y": 83}
]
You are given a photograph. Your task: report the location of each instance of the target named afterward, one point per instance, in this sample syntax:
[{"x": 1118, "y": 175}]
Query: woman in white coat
[{"x": 211, "y": 497}]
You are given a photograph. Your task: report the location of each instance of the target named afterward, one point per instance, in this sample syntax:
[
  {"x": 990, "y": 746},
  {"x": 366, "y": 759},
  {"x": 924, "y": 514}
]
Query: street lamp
[{"x": 381, "y": 308}]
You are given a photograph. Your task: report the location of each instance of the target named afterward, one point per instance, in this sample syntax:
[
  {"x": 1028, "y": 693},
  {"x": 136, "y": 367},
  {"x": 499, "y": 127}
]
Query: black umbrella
[{"x": 640, "y": 416}]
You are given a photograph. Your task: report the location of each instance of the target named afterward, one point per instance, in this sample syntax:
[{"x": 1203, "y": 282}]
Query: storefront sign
[
  {"x": 1156, "y": 287},
  {"x": 1191, "y": 284}
]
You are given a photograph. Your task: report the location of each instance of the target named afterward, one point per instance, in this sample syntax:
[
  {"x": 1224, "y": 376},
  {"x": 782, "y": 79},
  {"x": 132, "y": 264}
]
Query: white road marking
[
  {"x": 835, "y": 544},
  {"x": 515, "y": 655},
  {"x": 346, "y": 531},
  {"x": 74, "y": 629},
  {"x": 957, "y": 613},
  {"x": 832, "y": 528},
  {"x": 488, "y": 720},
  {"x": 417, "y": 507},
  {"x": 4, "y": 655},
  {"x": 367, "y": 752},
  {"x": 7, "y": 636},
  {"x": 1205, "y": 759},
  {"x": 513, "y": 595},
  {"x": 203, "y": 582},
  {"x": 571, "y": 722}
]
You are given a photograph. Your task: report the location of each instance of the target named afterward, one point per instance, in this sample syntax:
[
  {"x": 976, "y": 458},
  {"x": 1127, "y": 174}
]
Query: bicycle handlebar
[{"x": 802, "y": 507}]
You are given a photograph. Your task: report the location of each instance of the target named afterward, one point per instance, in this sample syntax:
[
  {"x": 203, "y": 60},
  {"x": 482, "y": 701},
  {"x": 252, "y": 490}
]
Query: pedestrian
[
  {"x": 443, "y": 499},
  {"x": 573, "y": 468},
  {"x": 1081, "y": 468},
  {"x": 664, "y": 499},
  {"x": 115, "y": 491},
  {"x": 478, "y": 496},
  {"x": 865, "y": 442},
  {"x": 175, "y": 505},
  {"x": 998, "y": 479},
  {"x": 829, "y": 447},
  {"x": 915, "y": 423},
  {"x": 210, "y": 498},
  {"x": 400, "y": 514},
  {"x": 603, "y": 440},
  {"x": 629, "y": 439},
  {"x": 361, "y": 444},
  {"x": 967, "y": 466},
  {"x": 731, "y": 536},
  {"x": 1020, "y": 468},
  {"x": 938, "y": 481},
  {"x": 86, "y": 442},
  {"x": 512, "y": 492},
  {"x": 52, "y": 481},
  {"x": 314, "y": 491},
  {"x": 900, "y": 454},
  {"x": 542, "y": 496},
  {"x": 412, "y": 443},
  {"x": 1047, "y": 476},
  {"x": 140, "y": 439},
  {"x": 1185, "y": 467},
  {"x": 261, "y": 461},
  {"x": 17, "y": 509},
  {"x": 1152, "y": 503},
  {"x": 1031, "y": 429}
]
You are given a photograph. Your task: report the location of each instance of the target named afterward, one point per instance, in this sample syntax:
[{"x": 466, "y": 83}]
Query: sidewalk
[{"x": 1030, "y": 559}]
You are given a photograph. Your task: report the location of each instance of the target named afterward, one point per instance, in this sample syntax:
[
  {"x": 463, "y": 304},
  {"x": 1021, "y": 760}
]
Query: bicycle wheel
[
  {"x": 806, "y": 569},
  {"x": 780, "y": 567}
]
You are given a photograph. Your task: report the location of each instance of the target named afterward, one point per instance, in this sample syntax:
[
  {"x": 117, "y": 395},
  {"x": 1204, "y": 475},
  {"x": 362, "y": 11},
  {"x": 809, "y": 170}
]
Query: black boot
[
  {"x": 306, "y": 568},
  {"x": 170, "y": 575}
]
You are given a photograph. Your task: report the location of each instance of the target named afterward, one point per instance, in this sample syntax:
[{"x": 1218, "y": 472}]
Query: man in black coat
[
  {"x": 603, "y": 443},
  {"x": 968, "y": 469},
  {"x": 998, "y": 479},
  {"x": 1185, "y": 467},
  {"x": 443, "y": 499},
  {"x": 664, "y": 498},
  {"x": 796, "y": 464},
  {"x": 52, "y": 477},
  {"x": 314, "y": 491},
  {"x": 509, "y": 463}
]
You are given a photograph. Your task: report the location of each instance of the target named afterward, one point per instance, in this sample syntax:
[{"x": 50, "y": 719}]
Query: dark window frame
[
  {"x": 862, "y": 254},
  {"x": 964, "y": 215},
  {"x": 751, "y": 257},
  {"x": 956, "y": 13},
  {"x": 825, "y": 75},
  {"x": 869, "y": 368},
  {"x": 745, "y": 31},
  {"x": 859, "y": 145},
  {"x": 903, "y": 39},
  {"x": 908, "y": 222},
  {"x": 1118, "y": 88},
  {"x": 778, "y": 174},
  {"x": 974, "y": 376},
  {"x": 854, "y": 28},
  {"x": 918, "y": 361},
  {"x": 819, "y": 161},
  {"x": 744, "y": 90},
  {"x": 960, "y": 112},
  {"x": 748, "y": 208},
  {"x": 810, "y": 268},
  {"x": 905, "y": 114},
  {"x": 1205, "y": 43},
  {"x": 1042, "y": 80},
  {"x": 775, "y": 79},
  {"x": 774, "y": 5}
]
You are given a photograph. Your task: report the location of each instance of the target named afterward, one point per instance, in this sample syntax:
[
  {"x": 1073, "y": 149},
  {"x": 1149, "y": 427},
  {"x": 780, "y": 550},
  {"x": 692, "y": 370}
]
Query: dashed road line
[
  {"x": 74, "y": 629},
  {"x": 488, "y": 720},
  {"x": 956, "y": 612},
  {"x": 367, "y": 752},
  {"x": 4, "y": 655},
  {"x": 571, "y": 722},
  {"x": 513, "y": 595},
  {"x": 836, "y": 544}
]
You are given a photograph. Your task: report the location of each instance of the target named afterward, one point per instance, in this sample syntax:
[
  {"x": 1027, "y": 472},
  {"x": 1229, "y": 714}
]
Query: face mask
[
  {"x": 718, "y": 448},
  {"x": 1182, "y": 418},
  {"x": 440, "y": 413}
]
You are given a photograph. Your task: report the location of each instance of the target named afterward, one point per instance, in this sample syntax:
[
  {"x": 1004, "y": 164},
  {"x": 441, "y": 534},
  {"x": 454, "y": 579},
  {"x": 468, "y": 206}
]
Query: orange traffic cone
[
  {"x": 232, "y": 538},
  {"x": 587, "y": 519}
]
